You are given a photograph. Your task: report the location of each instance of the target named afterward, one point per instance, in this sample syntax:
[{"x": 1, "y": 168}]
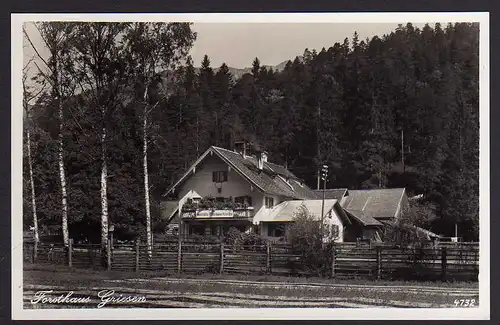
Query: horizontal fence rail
[{"x": 445, "y": 261}]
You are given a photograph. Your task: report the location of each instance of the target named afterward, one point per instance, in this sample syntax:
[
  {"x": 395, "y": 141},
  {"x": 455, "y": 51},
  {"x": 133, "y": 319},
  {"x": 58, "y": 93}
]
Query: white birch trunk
[
  {"x": 62, "y": 177},
  {"x": 104, "y": 195},
  {"x": 32, "y": 185},
  {"x": 146, "y": 181}
]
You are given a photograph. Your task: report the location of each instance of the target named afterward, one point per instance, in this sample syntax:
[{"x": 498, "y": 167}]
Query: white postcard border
[{"x": 481, "y": 312}]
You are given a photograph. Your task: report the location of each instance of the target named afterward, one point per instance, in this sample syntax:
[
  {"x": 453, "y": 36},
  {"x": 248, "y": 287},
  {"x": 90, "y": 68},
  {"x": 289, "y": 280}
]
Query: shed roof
[
  {"x": 333, "y": 193},
  {"x": 362, "y": 218},
  {"x": 168, "y": 209},
  {"x": 286, "y": 211},
  {"x": 376, "y": 203}
]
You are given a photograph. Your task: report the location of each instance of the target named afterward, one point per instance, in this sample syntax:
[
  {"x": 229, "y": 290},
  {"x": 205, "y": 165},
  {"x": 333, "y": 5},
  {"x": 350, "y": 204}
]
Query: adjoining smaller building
[{"x": 273, "y": 224}]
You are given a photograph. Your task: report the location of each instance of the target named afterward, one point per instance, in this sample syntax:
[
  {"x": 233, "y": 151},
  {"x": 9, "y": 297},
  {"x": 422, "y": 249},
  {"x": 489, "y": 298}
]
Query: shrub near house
[{"x": 313, "y": 239}]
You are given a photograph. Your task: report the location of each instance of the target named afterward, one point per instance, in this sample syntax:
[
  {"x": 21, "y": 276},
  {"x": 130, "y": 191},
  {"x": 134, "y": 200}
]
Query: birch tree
[
  {"x": 30, "y": 95},
  {"x": 152, "y": 48},
  {"x": 56, "y": 37},
  {"x": 100, "y": 75}
]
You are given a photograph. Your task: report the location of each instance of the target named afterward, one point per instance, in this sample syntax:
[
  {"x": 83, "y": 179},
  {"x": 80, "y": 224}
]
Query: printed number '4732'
[{"x": 465, "y": 302}]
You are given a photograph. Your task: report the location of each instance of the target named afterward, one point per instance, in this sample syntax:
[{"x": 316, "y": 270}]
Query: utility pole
[
  {"x": 318, "y": 141},
  {"x": 324, "y": 176},
  {"x": 402, "y": 149}
]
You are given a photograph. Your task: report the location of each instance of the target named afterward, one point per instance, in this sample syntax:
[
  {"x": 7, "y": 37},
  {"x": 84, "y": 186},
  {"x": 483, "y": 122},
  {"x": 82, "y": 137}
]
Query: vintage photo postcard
[{"x": 242, "y": 166}]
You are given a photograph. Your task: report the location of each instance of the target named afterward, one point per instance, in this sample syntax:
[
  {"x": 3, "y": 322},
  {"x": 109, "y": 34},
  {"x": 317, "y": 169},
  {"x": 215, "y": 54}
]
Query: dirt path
[
  {"x": 281, "y": 285},
  {"x": 168, "y": 292}
]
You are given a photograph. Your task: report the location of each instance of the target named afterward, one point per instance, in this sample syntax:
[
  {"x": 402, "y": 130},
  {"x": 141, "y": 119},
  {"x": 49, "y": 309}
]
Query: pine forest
[{"x": 117, "y": 112}]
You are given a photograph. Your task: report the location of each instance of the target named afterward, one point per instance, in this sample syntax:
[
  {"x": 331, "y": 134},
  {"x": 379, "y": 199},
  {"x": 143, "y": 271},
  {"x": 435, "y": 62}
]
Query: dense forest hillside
[
  {"x": 399, "y": 110},
  {"x": 237, "y": 73}
]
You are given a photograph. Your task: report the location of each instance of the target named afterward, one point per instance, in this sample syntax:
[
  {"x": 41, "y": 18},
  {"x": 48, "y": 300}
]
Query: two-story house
[{"x": 225, "y": 188}]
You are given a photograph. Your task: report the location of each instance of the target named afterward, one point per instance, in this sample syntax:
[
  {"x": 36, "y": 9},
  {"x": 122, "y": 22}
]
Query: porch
[{"x": 216, "y": 228}]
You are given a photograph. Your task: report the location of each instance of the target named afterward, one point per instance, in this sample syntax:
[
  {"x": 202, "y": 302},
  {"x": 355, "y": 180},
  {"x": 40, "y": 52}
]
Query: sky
[{"x": 237, "y": 44}]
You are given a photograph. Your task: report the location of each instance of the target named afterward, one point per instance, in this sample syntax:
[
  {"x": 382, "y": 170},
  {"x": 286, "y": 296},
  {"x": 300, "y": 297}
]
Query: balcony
[
  {"x": 209, "y": 208},
  {"x": 218, "y": 214}
]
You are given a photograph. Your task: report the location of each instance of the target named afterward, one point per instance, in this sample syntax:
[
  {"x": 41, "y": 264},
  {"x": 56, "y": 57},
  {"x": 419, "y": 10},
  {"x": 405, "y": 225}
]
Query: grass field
[{"x": 162, "y": 290}]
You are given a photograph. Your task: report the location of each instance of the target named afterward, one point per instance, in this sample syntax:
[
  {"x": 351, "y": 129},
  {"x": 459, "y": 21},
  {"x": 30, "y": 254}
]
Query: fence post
[
  {"x": 443, "y": 263},
  {"x": 179, "y": 257},
  {"x": 70, "y": 252},
  {"x": 137, "y": 252},
  {"x": 333, "y": 262},
  {"x": 109, "y": 255},
  {"x": 221, "y": 270},
  {"x": 379, "y": 261},
  {"x": 268, "y": 257}
]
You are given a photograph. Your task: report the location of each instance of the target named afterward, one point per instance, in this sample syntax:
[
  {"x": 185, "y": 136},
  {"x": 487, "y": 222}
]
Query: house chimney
[
  {"x": 261, "y": 160},
  {"x": 240, "y": 147}
]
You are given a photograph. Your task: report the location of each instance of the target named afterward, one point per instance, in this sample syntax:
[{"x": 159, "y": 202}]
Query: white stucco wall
[
  {"x": 262, "y": 211},
  {"x": 402, "y": 206},
  {"x": 201, "y": 182},
  {"x": 334, "y": 220},
  {"x": 263, "y": 229},
  {"x": 342, "y": 200}
]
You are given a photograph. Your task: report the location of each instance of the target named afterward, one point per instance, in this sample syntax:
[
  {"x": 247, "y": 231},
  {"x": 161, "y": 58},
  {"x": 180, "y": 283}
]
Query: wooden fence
[{"x": 445, "y": 262}]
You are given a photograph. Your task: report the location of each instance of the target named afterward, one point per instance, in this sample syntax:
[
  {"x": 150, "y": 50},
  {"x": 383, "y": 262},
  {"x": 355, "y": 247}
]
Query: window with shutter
[
  {"x": 269, "y": 202},
  {"x": 219, "y": 176}
]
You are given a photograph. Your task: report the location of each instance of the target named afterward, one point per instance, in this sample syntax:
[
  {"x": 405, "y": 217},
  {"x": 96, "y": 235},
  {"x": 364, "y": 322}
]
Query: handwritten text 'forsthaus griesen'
[{"x": 104, "y": 297}]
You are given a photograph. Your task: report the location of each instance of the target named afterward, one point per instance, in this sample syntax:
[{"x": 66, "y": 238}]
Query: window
[
  {"x": 197, "y": 229},
  {"x": 335, "y": 230},
  {"x": 219, "y": 176},
  {"x": 243, "y": 200},
  {"x": 276, "y": 229},
  {"x": 269, "y": 202}
]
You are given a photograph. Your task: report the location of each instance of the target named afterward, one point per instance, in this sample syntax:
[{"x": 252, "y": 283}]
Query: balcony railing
[{"x": 240, "y": 213}]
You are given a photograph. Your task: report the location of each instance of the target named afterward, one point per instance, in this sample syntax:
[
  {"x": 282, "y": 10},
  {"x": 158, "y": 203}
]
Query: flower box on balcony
[
  {"x": 243, "y": 208},
  {"x": 211, "y": 208}
]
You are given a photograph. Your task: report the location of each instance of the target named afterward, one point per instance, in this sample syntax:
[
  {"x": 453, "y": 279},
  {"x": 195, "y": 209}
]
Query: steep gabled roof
[
  {"x": 362, "y": 218},
  {"x": 286, "y": 211},
  {"x": 303, "y": 191},
  {"x": 375, "y": 203},
  {"x": 273, "y": 179},
  {"x": 421, "y": 232},
  {"x": 334, "y": 193},
  {"x": 168, "y": 209}
]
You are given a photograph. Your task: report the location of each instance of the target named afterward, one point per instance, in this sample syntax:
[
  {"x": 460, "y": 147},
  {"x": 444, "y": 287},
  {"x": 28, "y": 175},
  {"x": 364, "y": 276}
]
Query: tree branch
[{"x": 33, "y": 46}]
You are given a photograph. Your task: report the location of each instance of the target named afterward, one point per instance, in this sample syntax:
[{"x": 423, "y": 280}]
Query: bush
[
  {"x": 233, "y": 236},
  {"x": 238, "y": 239},
  {"x": 312, "y": 241},
  {"x": 202, "y": 239}
]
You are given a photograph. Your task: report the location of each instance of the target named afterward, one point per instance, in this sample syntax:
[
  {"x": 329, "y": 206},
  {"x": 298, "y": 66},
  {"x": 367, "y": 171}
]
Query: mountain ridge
[{"x": 237, "y": 73}]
